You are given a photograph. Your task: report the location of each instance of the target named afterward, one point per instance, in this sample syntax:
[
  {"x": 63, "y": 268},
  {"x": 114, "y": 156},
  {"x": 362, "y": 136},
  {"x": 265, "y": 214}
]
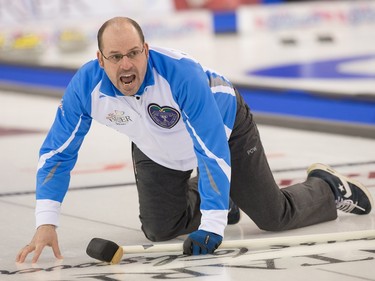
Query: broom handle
[{"x": 259, "y": 242}]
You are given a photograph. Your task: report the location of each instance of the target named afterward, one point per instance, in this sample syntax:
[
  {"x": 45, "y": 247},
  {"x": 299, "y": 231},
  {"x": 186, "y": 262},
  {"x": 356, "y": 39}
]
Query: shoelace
[{"x": 347, "y": 205}]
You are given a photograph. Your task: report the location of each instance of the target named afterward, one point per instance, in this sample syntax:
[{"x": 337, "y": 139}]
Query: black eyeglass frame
[{"x": 119, "y": 58}]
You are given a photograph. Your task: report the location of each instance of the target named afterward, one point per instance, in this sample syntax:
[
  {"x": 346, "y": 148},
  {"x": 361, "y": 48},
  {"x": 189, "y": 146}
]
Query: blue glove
[{"x": 201, "y": 242}]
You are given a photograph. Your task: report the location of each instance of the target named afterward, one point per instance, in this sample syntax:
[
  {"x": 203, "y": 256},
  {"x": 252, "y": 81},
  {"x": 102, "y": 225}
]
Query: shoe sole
[{"x": 328, "y": 169}]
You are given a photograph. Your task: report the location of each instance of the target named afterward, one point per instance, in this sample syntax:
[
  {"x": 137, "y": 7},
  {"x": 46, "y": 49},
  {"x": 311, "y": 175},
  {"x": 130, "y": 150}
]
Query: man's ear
[
  {"x": 100, "y": 59},
  {"x": 146, "y": 49}
]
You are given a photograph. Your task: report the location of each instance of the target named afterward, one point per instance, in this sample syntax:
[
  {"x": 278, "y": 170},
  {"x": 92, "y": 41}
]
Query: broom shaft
[{"x": 257, "y": 243}]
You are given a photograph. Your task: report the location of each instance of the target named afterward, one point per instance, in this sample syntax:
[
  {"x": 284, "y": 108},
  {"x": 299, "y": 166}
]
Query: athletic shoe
[
  {"x": 351, "y": 196},
  {"x": 234, "y": 213}
]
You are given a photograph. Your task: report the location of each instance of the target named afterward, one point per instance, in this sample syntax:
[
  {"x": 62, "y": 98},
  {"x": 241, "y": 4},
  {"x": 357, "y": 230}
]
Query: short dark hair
[{"x": 110, "y": 21}]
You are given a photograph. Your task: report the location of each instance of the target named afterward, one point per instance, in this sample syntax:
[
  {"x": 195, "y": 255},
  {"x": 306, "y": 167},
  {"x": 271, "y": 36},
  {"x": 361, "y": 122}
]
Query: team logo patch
[{"x": 163, "y": 116}]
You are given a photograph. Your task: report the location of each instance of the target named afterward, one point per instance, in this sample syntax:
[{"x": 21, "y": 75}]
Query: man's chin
[{"x": 128, "y": 92}]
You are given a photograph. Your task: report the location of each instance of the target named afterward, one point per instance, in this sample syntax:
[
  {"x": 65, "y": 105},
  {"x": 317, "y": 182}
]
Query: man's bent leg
[
  {"x": 168, "y": 199},
  {"x": 255, "y": 191}
]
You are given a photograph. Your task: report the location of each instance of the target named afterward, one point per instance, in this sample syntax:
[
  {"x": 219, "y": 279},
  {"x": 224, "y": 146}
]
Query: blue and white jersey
[{"x": 181, "y": 117}]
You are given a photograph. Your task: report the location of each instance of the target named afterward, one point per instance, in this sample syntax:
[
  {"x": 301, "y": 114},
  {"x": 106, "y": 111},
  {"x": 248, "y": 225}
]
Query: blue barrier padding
[
  {"x": 272, "y": 1},
  {"x": 290, "y": 102},
  {"x": 305, "y": 104},
  {"x": 35, "y": 76},
  {"x": 225, "y": 22}
]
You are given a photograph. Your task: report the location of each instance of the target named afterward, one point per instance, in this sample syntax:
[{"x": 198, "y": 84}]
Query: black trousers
[{"x": 169, "y": 199}]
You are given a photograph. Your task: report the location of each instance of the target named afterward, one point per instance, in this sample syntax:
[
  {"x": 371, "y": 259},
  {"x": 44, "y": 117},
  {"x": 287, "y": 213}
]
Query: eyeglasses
[{"x": 116, "y": 58}]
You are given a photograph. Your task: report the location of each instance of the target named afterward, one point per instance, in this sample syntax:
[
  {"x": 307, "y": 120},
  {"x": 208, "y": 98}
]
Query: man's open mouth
[{"x": 127, "y": 79}]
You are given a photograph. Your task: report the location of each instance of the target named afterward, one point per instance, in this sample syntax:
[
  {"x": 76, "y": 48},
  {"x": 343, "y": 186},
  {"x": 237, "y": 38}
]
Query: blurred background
[{"x": 303, "y": 64}]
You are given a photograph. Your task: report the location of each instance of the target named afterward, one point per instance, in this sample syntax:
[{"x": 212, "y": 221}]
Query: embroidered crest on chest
[{"x": 163, "y": 116}]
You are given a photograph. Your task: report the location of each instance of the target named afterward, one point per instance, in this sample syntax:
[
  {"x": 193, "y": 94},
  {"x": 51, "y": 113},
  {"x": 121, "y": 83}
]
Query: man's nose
[{"x": 125, "y": 63}]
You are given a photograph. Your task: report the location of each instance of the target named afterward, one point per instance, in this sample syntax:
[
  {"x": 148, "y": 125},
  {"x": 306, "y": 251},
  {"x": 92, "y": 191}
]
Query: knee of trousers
[
  {"x": 271, "y": 226},
  {"x": 156, "y": 233},
  {"x": 276, "y": 228}
]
